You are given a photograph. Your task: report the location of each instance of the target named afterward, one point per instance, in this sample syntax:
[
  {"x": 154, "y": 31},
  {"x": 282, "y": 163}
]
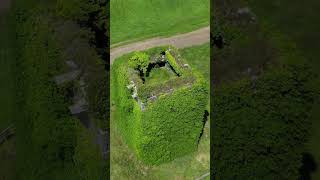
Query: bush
[
  {"x": 168, "y": 127},
  {"x": 139, "y": 61}
]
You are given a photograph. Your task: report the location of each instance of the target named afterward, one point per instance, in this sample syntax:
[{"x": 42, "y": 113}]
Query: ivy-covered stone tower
[{"x": 160, "y": 103}]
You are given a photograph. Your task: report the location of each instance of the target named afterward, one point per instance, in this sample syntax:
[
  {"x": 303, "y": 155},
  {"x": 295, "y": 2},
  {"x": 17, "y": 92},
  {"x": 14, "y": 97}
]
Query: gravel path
[{"x": 193, "y": 38}]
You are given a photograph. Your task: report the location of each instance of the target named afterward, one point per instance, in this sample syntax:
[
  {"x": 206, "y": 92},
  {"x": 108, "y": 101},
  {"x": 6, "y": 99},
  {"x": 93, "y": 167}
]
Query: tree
[{"x": 139, "y": 61}]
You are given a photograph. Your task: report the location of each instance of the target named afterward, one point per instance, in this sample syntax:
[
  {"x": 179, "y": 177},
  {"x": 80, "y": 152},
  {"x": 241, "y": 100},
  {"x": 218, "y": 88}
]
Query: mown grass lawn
[
  {"x": 132, "y": 20},
  {"x": 124, "y": 163},
  {"x": 198, "y": 57}
]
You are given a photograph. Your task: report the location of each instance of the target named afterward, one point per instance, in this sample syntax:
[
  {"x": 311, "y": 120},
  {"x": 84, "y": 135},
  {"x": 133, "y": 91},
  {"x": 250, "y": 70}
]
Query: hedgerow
[{"x": 168, "y": 127}]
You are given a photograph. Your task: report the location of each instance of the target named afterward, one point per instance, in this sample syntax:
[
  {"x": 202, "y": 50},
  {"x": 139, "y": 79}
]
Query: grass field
[
  {"x": 159, "y": 74},
  {"x": 299, "y": 22},
  {"x": 125, "y": 165},
  {"x": 198, "y": 57},
  {"x": 132, "y": 20}
]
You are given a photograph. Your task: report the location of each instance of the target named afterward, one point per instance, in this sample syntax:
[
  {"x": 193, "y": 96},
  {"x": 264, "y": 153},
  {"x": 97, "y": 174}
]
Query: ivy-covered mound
[{"x": 160, "y": 102}]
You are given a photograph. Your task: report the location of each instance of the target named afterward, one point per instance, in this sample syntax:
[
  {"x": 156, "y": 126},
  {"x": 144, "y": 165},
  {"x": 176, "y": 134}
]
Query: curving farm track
[{"x": 193, "y": 38}]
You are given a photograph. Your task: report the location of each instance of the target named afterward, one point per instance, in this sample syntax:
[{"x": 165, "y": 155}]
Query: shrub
[
  {"x": 139, "y": 61},
  {"x": 168, "y": 127}
]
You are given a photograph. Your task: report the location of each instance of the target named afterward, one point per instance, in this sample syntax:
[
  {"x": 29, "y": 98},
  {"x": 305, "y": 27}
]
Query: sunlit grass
[{"x": 140, "y": 19}]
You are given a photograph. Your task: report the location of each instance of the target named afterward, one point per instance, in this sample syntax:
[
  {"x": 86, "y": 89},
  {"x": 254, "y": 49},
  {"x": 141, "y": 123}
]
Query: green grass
[
  {"x": 124, "y": 163},
  {"x": 198, "y": 58},
  {"x": 299, "y": 22},
  {"x": 139, "y": 19},
  {"x": 159, "y": 74}
]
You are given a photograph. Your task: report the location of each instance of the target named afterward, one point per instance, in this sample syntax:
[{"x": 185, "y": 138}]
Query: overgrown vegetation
[
  {"x": 297, "y": 21},
  {"x": 139, "y": 61},
  {"x": 52, "y": 144},
  {"x": 262, "y": 109},
  {"x": 264, "y": 124},
  {"x": 173, "y": 63},
  {"x": 154, "y": 132},
  {"x": 125, "y": 163},
  {"x": 92, "y": 18}
]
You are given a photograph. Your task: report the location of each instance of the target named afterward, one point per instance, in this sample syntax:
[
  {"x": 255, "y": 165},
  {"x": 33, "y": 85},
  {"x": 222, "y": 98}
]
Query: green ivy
[
  {"x": 172, "y": 61},
  {"x": 139, "y": 61},
  {"x": 168, "y": 127}
]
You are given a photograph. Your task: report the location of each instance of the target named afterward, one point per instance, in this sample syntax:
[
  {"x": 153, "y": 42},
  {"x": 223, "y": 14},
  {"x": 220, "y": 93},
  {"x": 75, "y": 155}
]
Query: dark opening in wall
[
  {"x": 154, "y": 65},
  {"x": 141, "y": 74},
  {"x": 159, "y": 63}
]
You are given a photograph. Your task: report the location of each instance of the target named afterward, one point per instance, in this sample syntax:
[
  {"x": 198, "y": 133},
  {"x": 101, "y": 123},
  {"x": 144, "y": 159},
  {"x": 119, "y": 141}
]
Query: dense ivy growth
[
  {"x": 173, "y": 63},
  {"x": 168, "y": 127},
  {"x": 51, "y": 144},
  {"x": 259, "y": 127},
  {"x": 262, "y": 122},
  {"x": 171, "y": 127}
]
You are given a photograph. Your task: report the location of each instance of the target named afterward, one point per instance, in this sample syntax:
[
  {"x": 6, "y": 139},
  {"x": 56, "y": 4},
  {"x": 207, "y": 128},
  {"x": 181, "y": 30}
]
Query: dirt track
[{"x": 193, "y": 38}]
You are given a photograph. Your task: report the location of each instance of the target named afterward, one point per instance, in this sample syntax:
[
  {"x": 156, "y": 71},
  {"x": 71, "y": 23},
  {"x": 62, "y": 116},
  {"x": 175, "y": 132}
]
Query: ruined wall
[{"x": 168, "y": 127}]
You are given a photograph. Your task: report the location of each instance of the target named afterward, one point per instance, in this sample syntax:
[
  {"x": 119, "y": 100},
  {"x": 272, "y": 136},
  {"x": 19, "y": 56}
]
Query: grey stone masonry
[{"x": 67, "y": 77}]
